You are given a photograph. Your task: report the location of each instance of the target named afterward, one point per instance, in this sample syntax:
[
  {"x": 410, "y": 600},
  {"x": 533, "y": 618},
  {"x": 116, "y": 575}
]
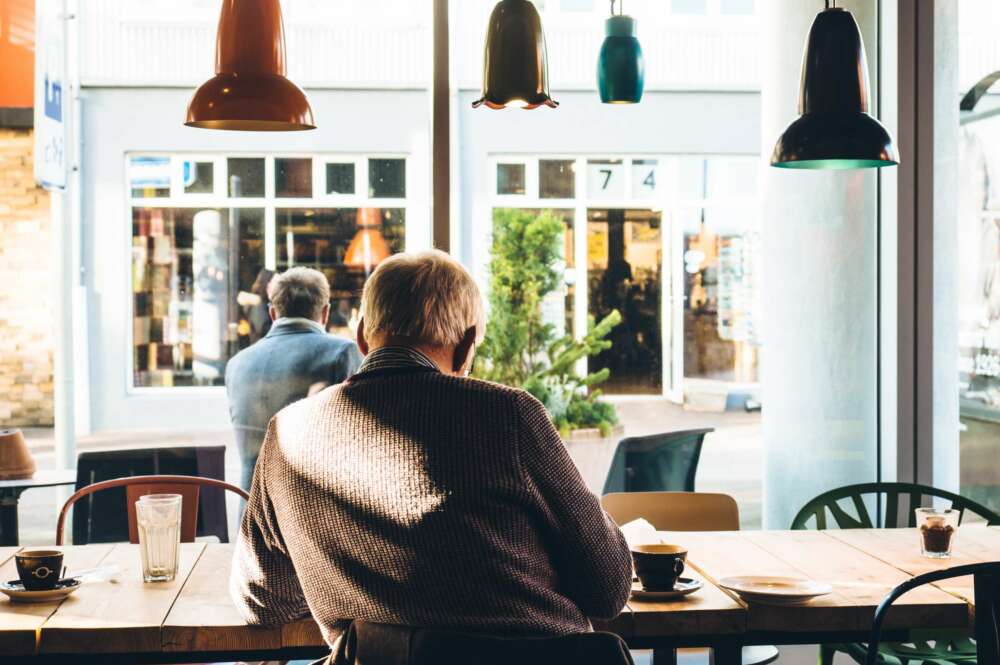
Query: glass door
[{"x": 624, "y": 273}]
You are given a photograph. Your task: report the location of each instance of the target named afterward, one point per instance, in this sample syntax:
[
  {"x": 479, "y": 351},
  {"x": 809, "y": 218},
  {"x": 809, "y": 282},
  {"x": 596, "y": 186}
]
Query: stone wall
[{"x": 26, "y": 343}]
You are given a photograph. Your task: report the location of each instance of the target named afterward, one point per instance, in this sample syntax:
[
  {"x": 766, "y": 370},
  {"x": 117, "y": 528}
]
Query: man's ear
[
  {"x": 464, "y": 351},
  {"x": 362, "y": 342},
  {"x": 272, "y": 312},
  {"x": 324, "y": 315}
]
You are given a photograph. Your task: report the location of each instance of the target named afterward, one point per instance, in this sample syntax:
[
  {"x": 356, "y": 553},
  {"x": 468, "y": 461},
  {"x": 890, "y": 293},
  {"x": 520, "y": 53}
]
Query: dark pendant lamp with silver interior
[
  {"x": 835, "y": 129},
  {"x": 249, "y": 91},
  {"x": 515, "y": 66}
]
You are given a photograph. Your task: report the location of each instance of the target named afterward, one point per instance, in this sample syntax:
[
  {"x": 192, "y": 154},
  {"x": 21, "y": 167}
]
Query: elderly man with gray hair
[
  {"x": 415, "y": 496},
  {"x": 295, "y": 359}
]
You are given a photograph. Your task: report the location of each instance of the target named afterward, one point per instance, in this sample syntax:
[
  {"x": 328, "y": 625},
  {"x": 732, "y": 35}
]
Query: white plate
[
  {"x": 19, "y": 594},
  {"x": 772, "y": 590},
  {"x": 683, "y": 587}
]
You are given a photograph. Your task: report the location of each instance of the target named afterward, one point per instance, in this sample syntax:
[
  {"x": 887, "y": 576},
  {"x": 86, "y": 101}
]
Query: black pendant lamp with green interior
[
  {"x": 835, "y": 129},
  {"x": 621, "y": 70},
  {"x": 515, "y": 67}
]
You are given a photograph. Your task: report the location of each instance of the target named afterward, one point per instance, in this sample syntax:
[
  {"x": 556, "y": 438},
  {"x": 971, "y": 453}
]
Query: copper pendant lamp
[
  {"x": 249, "y": 91},
  {"x": 834, "y": 130},
  {"x": 515, "y": 69},
  {"x": 368, "y": 248}
]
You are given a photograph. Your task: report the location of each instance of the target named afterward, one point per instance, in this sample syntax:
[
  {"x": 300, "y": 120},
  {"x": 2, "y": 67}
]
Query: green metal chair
[{"x": 850, "y": 507}]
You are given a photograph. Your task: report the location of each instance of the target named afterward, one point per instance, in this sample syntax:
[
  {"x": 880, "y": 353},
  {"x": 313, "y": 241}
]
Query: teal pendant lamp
[
  {"x": 835, "y": 129},
  {"x": 621, "y": 70}
]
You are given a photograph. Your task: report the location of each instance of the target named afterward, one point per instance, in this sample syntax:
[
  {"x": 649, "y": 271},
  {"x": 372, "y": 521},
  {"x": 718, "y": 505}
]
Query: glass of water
[{"x": 159, "y": 522}]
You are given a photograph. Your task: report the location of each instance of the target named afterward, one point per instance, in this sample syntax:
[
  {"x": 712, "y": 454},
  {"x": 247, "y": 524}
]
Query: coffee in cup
[
  {"x": 658, "y": 566},
  {"x": 39, "y": 570}
]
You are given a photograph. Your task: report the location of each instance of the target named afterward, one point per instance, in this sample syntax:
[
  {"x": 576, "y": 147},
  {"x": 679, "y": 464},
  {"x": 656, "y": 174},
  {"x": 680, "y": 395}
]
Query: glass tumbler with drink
[
  {"x": 937, "y": 531},
  {"x": 158, "y": 517}
]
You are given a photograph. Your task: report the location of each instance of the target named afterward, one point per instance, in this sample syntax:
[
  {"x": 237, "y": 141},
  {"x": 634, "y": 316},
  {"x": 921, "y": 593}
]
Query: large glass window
[
  {"x": 202, "y": 254},
  {"x": 978, "y": 256}
]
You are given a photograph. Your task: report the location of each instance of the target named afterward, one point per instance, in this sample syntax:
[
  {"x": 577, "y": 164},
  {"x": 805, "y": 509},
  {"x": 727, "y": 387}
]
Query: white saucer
[
  {"x": 770, "y": 590},
  {"x": 19, "y": 594},
  {"x": 683, "y": 587}
]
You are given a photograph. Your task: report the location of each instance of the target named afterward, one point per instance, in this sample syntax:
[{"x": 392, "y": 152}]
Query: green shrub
[{"x": 520, "y": 349}]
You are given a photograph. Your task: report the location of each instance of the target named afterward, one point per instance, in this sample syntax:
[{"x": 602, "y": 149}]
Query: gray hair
[
  {"x": 427, "y": 297},
  {"x": 299, "y": 292}
]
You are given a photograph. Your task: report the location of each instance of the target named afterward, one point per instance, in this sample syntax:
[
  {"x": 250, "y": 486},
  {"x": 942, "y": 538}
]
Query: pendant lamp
[
  {"x": 835, "y": 130},
  {"x": 621, "y": 71},
  {"x": 515, "y": 69},
  {"x": 249, "y": 91},
  {"x": 368, "y": 248}
]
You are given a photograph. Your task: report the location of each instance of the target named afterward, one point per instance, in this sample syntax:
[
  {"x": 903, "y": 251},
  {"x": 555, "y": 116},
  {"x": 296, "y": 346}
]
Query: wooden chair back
[
  {"x": 675, "y": 511},
  {"x": 189, "y": 487}
]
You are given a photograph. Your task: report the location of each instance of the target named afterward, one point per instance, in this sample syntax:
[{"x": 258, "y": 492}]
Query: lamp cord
[{"x": 621, "y": 7}]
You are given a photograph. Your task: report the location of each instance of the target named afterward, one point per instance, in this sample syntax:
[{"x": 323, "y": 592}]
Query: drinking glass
[
  {"x": 937, "y": 531},
  {"x": 159, "y": 522}
]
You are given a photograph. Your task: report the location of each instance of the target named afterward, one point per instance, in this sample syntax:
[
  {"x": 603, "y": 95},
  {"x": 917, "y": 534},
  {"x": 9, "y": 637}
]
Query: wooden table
[{"x": 192, "y": 619}]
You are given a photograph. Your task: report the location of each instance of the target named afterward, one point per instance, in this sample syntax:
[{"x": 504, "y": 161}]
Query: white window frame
[{"x": 269, "y": 203}]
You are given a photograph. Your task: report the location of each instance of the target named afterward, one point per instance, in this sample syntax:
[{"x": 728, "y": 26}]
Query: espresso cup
[
  {"x": 658, "y": 566},
  {"x": 39, "y": 570}
]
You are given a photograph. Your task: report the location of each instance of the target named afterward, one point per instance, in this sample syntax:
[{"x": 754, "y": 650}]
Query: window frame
[
  {"x": 667, "y": 202},
  {"x": 219, "y": 199}
]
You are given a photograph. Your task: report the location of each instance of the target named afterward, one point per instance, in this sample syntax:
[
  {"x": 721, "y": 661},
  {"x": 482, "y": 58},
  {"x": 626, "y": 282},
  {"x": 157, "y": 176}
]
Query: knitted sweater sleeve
[
  {"x": 589, "y": 551},
  {"x": 263, "y": 583}
]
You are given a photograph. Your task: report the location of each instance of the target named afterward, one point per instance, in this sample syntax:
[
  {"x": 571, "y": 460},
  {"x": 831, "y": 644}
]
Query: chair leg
[{"x": 826, "y": 654}]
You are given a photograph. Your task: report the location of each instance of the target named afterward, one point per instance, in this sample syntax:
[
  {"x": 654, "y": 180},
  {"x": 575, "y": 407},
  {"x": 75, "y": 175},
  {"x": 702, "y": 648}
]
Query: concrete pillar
[{"x": 818, "y": 233}]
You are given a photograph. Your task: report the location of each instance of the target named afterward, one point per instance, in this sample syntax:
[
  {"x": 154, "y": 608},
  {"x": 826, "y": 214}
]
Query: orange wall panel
[{"x": 17, "y": 53}]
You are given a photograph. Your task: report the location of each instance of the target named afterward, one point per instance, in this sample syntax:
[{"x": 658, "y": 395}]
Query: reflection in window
[
  {"x": 510, "y": 179},
  {"x": 624, "y": 255},
  {"x": 186, "y": 322},
  {"x": 387, "y": 178},
  {"x": 340, "y": 178},
  {"x": 149, "y": 177},
  {"x": 199, "y": 177},
  {"x": 743, "y": 7},
  {"x": 556, "y": 179},
  {"x": 246, "y": 177},
  {"x": 720, "y": 340},
  {"x": 688, "y": 6},
  {"x": 345, "y": 244},
  {"x": 293, "y": 178}
]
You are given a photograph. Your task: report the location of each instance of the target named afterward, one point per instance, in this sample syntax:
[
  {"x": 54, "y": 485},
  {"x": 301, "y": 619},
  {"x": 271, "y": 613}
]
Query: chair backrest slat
[{"x": 891, "y": 517}]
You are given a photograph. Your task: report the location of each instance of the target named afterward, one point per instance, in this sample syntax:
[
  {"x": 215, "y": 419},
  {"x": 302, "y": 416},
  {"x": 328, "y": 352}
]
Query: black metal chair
[
  {"x": 657, "y": 463},
  {"x": 849, "y": 507},
  {"x": 897, "y": 502},
  {"x": 987, "y": 621},
  {"x": 382, "y": 644},
  {"x": 99, "y": 518}
]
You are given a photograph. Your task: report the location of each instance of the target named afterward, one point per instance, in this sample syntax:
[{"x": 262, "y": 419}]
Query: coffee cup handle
[{"x": 678, "y": 567}]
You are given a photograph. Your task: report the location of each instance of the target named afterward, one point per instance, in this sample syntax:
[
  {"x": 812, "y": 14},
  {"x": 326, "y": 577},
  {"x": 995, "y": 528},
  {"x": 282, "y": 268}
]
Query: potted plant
[{"x": 521, "y": 349}]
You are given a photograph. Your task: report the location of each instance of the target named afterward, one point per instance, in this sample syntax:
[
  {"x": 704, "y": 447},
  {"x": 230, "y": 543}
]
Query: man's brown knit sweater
[{"x": 409, "y": 497}]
